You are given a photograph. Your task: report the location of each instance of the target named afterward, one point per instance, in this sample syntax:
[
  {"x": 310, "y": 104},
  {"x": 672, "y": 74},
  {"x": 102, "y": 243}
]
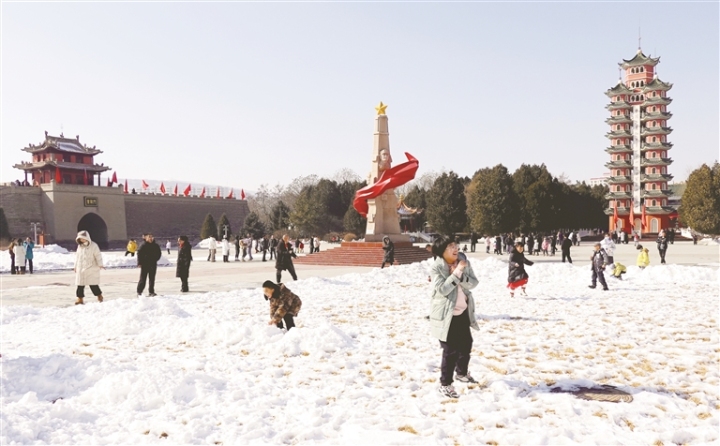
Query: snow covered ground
[
  {"x": 57, "y": 258},
  {"x": 362, "y": 368}
]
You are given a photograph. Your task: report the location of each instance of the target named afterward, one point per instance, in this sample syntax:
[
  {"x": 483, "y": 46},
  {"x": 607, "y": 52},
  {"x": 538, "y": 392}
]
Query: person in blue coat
[{"x": 29, "y": 246}]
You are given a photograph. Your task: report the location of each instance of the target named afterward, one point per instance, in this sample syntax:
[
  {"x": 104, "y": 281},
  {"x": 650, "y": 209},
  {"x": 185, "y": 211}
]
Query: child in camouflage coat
[{"x": 284, "y": 304}]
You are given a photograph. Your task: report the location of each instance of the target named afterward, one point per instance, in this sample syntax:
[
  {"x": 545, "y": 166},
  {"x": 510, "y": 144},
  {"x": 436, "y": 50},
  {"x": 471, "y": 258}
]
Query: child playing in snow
[
  {"x": 517, "y": 277},
  {"x": 619, "y": 270},
  {"x": 643, "y": 258},
  {"x": 284, "y": 304}
]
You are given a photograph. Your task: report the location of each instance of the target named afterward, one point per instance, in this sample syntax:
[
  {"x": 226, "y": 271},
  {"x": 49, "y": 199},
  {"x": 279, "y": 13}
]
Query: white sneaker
[
  {"x": 448, "y": 391},
  {"x": 465, "y": 379}
]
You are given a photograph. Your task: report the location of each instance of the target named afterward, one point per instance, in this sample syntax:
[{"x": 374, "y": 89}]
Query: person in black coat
[
  {"x": 530, "y": 244},
  {"x": 265, "y": 247},
  {"x": 183, "y": 262},
  {"x": 273, "y": 247},
  {"x": 389, "y": 248},
  {"x": 553, "y": 244},
  {"x": 565, "y": 247},
  {"x": 237, "y": 248},
  {"x": 662, "y": 245},
  {"x": 312, "y": 244},
  {"x": 517, "y": 276},
  {"x": 498, "y": 245},
  {"x": 283, "y": 258},
  {"x": 147, "y": 258}
]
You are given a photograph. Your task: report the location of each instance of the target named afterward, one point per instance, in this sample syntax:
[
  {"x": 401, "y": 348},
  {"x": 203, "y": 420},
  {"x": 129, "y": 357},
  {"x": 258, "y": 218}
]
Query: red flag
[
  {"x": 632, "y": 214},
  {"x": 58, "y": 177},
  {"x": 144, "y": 185},
  {"x": 391, "y": 178},
  {"x": 109, "y": 183},
  {"x": 642, "y": 223},
  {"x": 175, "y": 191},
  {"x": 217, "y": 195},
  {"x": 126, "y": 187},
  {"x": 615, "y": 215},
  {"x": 202, "y": 194},
  {"x": 231, "y": 194},
  {"x": 242, "y": 194},
  {"x": 187, "y": 190},
  {"x": 85, "y": 180},
  {"x": 114, "y": 178},
  {"x": 162, "y": 188}
]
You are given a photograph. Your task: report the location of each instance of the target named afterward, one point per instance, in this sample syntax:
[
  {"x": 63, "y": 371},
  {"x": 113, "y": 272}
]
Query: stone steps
[{"x": 364, "y": 254}]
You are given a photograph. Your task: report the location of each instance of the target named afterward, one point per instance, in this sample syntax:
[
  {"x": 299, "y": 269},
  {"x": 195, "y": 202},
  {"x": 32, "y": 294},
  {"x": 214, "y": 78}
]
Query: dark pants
[
  {"x": 386, "y": 261},
  {"x": 237, "y": 253},
  {"x": 30, "y": 265},
  {"x": 225, "y": 258},
  {"x": 662, "y": 255},
  {"x": 20, "y": 269},
  {"x": 291, "y": 270},
  {"x": 146, "y": 271},
  {"x": 184, "y": 284},
  {"x": 168, "y": 251},
  {"x": 272, "y": 253},
  {"x": 264, "y": 254},
  {"x": 289, "y": 321},
  {"x": 312, "y": 249},
  {"x": 12, "y": 264},
  {"x": 566, "y": 254},
  {"x": 456, "y": 350},
  {"x": 132, "y": 254},
  {"x": 598, "y": 275},
  {"x": 81, "y": 291}
]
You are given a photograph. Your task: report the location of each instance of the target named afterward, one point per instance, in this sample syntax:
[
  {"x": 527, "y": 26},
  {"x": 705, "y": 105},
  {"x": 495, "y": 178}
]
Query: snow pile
[
  {"x": 709, "y": 241},
  {"x": 55, "y": 260},
  {"x": 362, "y": 367},
  {"x": 56, "y": 249}
]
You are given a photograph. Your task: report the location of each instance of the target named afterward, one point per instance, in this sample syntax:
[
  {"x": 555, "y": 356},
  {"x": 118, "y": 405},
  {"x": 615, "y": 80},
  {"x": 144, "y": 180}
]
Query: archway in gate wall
[{"x": 96, "y": 227}]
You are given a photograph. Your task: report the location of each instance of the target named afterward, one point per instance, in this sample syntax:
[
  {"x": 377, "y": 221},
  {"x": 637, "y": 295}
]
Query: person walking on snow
[
  {"x": 598, "y": 261},
  {"x": 662, "y": 246},
  {"x": 225, "y": 245},
  {"x": 565, "y": 247},
  {"x": 609, "y": 246},
  {"x": 29, "y": 246},
  {"x": 168, "y": 245},
  {"x": 131, "y": 248},
  {"x": 184, "y": 259},
  {"x": 517, "y": 277},
  {"x": 452, "y": 312},
  {"x": 284, "y": 304},
  {"x": 20, "y": 253},
  {"x": 147, "y": 258},
  {"x": 88, "y": 263},
  {"x": 273, "y": 247},
  {"x": 249, "y": 245},
  {"x": 237, "y": 248},
  {"x": 389, "y": 248},
  {"x": 283, "y": 259},
  {"x": 212, "y": 249}
]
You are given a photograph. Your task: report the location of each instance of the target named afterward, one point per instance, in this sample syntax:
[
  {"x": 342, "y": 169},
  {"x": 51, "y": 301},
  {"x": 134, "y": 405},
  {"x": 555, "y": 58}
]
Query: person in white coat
[
  {"x": 609, "y": 246},
  {"x": 19, "y": 251},
  {"x": 88, "y": 263},
  {"x": 212, "y": 249},
  {"x": 225, "y": 245}
]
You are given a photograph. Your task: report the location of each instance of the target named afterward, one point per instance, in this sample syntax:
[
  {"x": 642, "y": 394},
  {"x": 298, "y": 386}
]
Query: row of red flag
[
  {"x": 145, "y": 186},
  {"x": 632, "y": 215}
]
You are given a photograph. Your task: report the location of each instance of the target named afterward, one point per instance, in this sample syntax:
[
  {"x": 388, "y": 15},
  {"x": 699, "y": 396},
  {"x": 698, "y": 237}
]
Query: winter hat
[
  {"x": 639, "y": 247},
  {"x": 269, "y": 284}
]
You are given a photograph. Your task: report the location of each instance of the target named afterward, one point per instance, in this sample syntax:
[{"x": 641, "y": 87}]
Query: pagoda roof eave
[
  {"x": 657, "y": 84},
  {"x": 620, "y": 88},
  {"x": 638, "y": 60},
  {"x": 63, "y": 165}
]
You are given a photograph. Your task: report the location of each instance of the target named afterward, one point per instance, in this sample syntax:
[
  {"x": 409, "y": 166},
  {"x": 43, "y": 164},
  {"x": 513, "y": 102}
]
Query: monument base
[
  {"x": 395, "y": 238},
  {"x": 364, "y": 254}
]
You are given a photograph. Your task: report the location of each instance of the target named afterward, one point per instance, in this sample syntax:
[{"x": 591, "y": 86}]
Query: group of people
[
  {"x": 245, "y": 247},
  {"x": 21, "y": 255}
]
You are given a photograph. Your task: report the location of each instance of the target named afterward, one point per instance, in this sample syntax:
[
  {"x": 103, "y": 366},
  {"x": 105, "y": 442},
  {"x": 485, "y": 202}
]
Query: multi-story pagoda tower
[
  {"x": 62, "y": 160},
  {"x": 638, "y": 148}
]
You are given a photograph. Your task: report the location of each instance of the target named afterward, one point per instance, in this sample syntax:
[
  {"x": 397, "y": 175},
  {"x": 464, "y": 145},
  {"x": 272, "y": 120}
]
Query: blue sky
[{"x": 241, "y": 94}]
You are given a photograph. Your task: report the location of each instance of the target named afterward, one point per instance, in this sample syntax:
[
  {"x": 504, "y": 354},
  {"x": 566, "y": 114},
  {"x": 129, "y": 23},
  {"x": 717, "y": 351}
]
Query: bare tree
[{"x": 346, "y": 174}]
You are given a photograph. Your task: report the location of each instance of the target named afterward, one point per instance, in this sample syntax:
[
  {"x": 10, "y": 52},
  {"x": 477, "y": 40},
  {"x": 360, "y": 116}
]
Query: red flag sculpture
[
  {"x": 144, "y": 185},
  {"x": 187, "y": 190},
  {"x": 391, "y": 178},
  {"x": 126, "y": 187},
  {"x": 202, "y": 194},
  {"x": 242, "y": 194},
  {"x": 231, "y": 194},
  {"x": 58, "y": 177},
  {"x": 162, "y": 188},
  {"x": 175, "y": 191},
  {"x": 114, "y": 178}
]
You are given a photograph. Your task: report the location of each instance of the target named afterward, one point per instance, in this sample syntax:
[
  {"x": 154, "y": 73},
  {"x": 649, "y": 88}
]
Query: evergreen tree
[
  {"x": 417, "y": 198},
  {"x": 4, "y": 227},
  {"x": 700, "y": 207},
  {"x": 280, "y": 216},
  {"x": 353, "y": 221},
  {"x": 221, "y": 227},
  {"x": 209, "y": 228},
  {"x": 446, "y": 207},
  {"x": 253, "y": 226},
  {"x": 308, "y": 213},
  {"x": 491, "y": 201}
]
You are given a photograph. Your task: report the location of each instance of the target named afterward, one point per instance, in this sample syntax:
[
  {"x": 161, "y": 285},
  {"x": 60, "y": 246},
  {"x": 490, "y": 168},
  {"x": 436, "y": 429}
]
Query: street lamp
[{"x": 34, "y": 226}]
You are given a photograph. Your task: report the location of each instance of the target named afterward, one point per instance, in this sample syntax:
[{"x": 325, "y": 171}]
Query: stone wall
[
  {"x": 169, "y": 216},
  {"x": 22, "y": 205}
]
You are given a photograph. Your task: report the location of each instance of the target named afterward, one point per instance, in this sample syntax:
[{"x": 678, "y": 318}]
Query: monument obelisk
[{"x": 382, "y": 218}]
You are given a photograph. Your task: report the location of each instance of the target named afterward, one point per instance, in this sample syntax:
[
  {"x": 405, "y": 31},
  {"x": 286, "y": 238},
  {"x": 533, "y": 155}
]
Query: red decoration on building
[
  {"x": 187, "y": 190},
  {"x": 217, "y": 195},
  {"x": 162, "y": 188},
  {"x": 144, "y": 185},
  {"x": 114, "y": 178},
  {"x": 85, "y": 178},
  {"x": 126, "y": 187},
  {"x": 175, "y": 190},
  {"x": 242, "y": 194},
  {"x": 202, "y": 194},
  {"x": 230, "y": 195}
]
